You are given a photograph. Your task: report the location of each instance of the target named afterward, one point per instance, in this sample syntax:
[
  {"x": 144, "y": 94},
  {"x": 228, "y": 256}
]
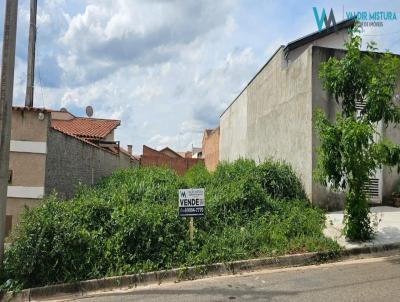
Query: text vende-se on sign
[{"x": 191, "y": 202}]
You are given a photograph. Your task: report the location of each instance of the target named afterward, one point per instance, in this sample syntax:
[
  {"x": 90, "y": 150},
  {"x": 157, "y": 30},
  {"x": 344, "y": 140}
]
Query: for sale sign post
[{"x": 191, "y": 202}]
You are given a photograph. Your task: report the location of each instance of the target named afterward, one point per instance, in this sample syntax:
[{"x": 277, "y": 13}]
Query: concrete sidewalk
[{"x": 388, "y": 228}]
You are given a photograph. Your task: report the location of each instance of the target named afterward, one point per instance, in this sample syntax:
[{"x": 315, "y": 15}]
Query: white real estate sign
[{"x": 191, "y": 202}]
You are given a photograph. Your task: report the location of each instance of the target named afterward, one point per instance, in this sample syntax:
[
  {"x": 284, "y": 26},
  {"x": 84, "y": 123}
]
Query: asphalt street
[{"x": 373, "y": 279}]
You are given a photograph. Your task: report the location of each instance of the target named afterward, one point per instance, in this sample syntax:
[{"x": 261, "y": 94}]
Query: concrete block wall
[
  {"x": 272, "y": 117},
  {"x": 70, "y": 161},
  {"x": 322, "y": 100}
]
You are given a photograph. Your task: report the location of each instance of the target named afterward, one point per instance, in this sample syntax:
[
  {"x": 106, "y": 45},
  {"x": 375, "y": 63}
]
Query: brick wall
[
  {"x": 211, "y": 148},
  {"x": 153, "y": 157}
]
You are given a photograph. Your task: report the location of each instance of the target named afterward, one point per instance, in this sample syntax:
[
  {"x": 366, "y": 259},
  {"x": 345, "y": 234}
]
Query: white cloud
[
  {"x": 112, "y": 34},
  {"x": 164, "y": 68},
  {"x": 167, "y": 69}
]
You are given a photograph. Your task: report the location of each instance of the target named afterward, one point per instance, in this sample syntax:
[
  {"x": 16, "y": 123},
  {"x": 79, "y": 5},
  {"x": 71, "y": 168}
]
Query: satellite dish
[
  {"x": 89, "y": 111},
  {"x": 63, "y": 109}
]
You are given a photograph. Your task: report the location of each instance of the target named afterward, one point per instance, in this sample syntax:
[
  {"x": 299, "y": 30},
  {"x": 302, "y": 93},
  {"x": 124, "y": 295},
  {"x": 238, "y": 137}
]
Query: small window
[{"x": 10, "y": 173}]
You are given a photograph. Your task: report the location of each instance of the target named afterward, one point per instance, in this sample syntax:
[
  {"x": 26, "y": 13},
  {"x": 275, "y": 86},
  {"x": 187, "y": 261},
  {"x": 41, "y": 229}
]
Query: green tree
[{"x": 350, "y": 148}]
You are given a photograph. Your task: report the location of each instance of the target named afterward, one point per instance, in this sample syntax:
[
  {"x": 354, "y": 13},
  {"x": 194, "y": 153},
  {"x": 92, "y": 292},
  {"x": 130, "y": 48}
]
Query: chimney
[{"x": 130, "y": 149}]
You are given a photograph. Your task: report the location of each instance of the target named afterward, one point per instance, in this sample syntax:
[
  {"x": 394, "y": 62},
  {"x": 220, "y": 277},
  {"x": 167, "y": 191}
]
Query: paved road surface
[{"x": 374, "y": 279}]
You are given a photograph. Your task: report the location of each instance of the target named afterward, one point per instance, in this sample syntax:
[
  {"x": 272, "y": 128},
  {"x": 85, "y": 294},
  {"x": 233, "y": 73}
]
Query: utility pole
[
  {"x": 31, "y": 55},
  {"x": 6, "y": 96}
]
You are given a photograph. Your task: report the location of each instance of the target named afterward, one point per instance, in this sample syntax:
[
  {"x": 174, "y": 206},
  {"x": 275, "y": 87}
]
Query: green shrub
[
  {"x": 145, "y": 235},
  {"x": 234, "y": 194},
  {"x": 129, "y": 223},
  {"x": 150, "y": 184},
  {"x": 52, "y": 245},
  {"x": 197, "y": 177},
  {"x": 280, "y": 181}
]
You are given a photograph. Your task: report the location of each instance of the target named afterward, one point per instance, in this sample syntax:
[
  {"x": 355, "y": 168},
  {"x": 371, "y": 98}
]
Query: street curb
[{"x": 83, "y": 288}]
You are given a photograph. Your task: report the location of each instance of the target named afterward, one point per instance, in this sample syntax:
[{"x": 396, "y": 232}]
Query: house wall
[
  {"x": 16, "y": 206},
  {"x": 391, "y": 176},
  {"x": 28, "y": 150},
  {"x": 110, "y": 136},
  {"x": 272, "y": 117},
  {"x": 61, "y": 115},
  {"x": 70, "y": 161},
  {"x": 334, "y": 40},
  {"x": 26, "y": 126},
  {"x": 170, "y": 153},
  {"x": 324, "y": 101},
  {"x": 233, "y": 130},
  {"x": 153, "y": 157},
  {"x": 211, "y": 149}
]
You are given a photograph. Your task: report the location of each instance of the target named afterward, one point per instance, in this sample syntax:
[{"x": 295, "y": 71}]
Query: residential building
[
  {"x": 272, "y": 116},
  {"x": 53, "y": 151},
  {"x": 211, "y": 148},
  {"x": 197, "y": 152},
  {"x": 168, "y": 158}
]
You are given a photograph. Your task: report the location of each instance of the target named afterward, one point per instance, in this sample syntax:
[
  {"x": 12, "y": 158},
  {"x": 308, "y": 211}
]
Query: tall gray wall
[
  {"x": 324, "y": 101},
  {"x": 391, "y": 176},
  {"x": 70, "y": 161},
  {"x": 272, "y": 117}
]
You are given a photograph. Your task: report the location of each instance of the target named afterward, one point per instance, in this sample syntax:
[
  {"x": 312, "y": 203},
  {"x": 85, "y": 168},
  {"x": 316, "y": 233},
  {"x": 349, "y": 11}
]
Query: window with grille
[
  {"x": 360, "y": 105},
  {"x": 372, "y": 188}
]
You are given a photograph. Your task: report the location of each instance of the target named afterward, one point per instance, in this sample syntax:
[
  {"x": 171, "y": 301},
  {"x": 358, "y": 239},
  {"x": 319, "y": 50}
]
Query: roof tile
[{"x": 86, "y": 127}]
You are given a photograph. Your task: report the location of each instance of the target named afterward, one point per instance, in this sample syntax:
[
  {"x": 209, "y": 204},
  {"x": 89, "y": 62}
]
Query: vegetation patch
[{"x": 129, "y": 224}]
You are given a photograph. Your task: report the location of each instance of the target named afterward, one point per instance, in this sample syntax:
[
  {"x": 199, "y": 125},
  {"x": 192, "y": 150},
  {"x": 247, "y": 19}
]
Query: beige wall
[
  {"x": 60, "y": 115},
  {"x": 272, "y": 117},
  {"x": 26, "y": 126},
  {"x": 28, "y": 169},
  {"x": 27, "y": 166},
  {"x": 15, "y": 207},
  {"x": 110, "y": 136}
]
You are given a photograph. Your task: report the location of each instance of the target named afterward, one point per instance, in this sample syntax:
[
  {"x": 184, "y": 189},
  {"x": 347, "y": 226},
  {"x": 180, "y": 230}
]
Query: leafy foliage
[
  {"x": 129, "y": 223},
  {"x": 349, "y": 152},
  {"x": 279, "y": 181}
]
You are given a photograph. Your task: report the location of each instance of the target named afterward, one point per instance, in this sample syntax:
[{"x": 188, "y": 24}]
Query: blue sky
[{"x": 167, "y": 69}]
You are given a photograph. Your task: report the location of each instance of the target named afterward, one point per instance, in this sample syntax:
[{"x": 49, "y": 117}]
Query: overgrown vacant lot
[{"x": 129, "y": 223}]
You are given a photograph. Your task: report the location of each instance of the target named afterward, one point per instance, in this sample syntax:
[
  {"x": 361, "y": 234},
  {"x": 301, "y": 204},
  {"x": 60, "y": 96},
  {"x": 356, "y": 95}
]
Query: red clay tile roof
[
  {"x": 86, "y": 127},
  {"x": 83, "y": 140}
]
